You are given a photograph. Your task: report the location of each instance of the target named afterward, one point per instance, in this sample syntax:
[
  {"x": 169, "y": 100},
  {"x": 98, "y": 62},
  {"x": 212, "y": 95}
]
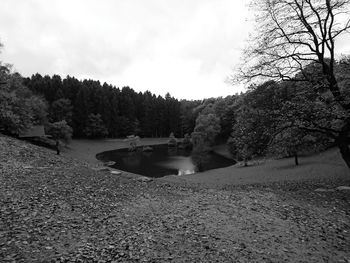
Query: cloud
[
  {"x": 187, "y": 48},
  {"x": 182, "y": 47}
]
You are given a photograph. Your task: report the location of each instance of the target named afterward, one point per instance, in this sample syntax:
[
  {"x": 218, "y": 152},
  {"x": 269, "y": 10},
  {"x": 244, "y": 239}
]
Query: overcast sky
[{"x": 185, "y": 47}]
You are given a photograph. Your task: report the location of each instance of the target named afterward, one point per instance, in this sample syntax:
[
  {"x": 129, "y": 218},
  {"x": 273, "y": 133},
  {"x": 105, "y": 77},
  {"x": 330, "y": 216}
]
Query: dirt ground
[{"x": 57, "y": 209}]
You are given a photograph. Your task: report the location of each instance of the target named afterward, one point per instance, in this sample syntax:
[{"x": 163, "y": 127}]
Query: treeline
[
  {"x": 85, "y": 108},
  {"x": 97, "y": 110},
  {"x": 93, "y": 109}
]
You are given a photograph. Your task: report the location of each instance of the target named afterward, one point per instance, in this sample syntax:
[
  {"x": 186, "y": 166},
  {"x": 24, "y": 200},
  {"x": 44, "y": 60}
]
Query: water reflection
[
  {"x": 132, "y": 159},
  {"x": 164, "y": 161},
  {"x": 200, "y": 159},
  {"x": 182, "y": 164}
]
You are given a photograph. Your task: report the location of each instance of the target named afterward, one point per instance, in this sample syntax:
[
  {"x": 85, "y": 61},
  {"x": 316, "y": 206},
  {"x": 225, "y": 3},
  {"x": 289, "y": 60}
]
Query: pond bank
[
  {"x": 86, "y": 150},
  {"x": 324, "y": 166}
]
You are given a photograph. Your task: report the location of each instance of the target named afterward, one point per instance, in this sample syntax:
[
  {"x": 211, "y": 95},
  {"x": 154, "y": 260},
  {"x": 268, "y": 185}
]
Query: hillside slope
[{"x": 57, "y": 209}]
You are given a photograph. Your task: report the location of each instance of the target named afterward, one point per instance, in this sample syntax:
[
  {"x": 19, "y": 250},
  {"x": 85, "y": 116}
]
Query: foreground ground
[{"x": 57, "y": 209}]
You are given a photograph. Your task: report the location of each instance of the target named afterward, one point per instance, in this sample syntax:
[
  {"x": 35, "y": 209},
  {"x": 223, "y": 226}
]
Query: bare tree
[{"x": 293, "y": 34}]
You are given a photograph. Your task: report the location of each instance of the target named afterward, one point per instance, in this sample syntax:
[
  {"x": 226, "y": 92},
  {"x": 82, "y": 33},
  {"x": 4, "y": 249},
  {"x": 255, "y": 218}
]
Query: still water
[{"x": 163, "y": 161}]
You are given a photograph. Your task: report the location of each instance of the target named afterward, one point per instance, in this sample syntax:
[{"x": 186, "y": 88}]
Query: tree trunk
[
  {"x": 296, "y": 158},
  {"x": 345, "y": 153},
  {"x": 343, "y": 142},
  {"x": 245, "y": 162}
]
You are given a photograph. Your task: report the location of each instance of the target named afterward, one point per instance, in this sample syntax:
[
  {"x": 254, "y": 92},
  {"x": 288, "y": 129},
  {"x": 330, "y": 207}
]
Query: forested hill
[{"x": 93, "y": 109}]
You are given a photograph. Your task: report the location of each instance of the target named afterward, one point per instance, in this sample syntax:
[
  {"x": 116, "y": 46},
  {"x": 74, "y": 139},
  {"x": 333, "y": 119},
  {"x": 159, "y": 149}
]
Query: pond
[{"x": 163, "y": 161}]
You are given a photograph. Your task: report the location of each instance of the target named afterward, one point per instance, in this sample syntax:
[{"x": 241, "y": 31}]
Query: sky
[{"x": 188, "y": 48}]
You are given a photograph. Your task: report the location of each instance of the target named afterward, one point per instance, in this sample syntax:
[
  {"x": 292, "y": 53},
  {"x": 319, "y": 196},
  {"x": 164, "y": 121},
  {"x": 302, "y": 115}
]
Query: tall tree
[
  {"x": 208, "y": 126},
  {"x": 60, "y": 130},
  {"x": 293, "y": 34},
  {"x": 250, "y": 135},
  {"x": 291, "y": 141},
  {"x": 95, "y": 127},
  {"x": 60, "y": 110}
]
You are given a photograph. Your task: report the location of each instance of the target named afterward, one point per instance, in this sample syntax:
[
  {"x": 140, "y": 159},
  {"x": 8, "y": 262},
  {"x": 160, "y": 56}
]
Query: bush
[
  {"x": 172, "y": 140},
  {"x": 60, "y": 131},
  {"x": 19, "y": 108}
]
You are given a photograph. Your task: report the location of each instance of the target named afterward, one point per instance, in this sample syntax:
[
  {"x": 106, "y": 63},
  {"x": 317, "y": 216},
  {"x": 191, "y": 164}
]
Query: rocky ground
[{"x": 57, "y": 209}]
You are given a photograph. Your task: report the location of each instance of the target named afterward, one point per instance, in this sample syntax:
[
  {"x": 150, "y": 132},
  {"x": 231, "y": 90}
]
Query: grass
[{"x": 327, "y": 165}]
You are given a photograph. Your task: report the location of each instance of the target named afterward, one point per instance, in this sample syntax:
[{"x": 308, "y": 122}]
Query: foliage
[
  {"x": 222, "y": 108},
  {"x": 247, "y": 136},
  {"x": 60, "y": 131},
  {"x": 188, "y": 116},
  {"x": 304, "y": 51},
  {"x": 271, "y": 118},
  {"x": 208, "y": 125},
  {"x": 95, "y": 127},
  {"x": 291, "y": 142},
  {"x": 172, "y": 140},
  {"x": 199, "y": 142},
  {"x": 60, "y": 110},
  {"x": 186, "y": 142},
  {"x": 19, "y": 108},
  {"x": 255, "y": 118}
]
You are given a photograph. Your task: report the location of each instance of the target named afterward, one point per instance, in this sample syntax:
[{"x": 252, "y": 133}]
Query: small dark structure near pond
[{"x": 163, "y": 161}]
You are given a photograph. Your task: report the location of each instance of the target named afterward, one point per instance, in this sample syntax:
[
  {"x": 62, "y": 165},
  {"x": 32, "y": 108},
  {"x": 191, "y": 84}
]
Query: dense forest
[{"x": 94, "y": 110}]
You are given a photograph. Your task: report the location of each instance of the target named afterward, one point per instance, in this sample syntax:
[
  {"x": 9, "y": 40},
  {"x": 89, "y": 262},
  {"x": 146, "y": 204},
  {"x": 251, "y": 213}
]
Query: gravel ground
[{"x": 58, "y": 209}]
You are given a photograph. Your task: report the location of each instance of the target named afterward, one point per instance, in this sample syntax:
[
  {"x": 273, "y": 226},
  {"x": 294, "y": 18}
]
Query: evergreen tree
[{"x": 95, "y": 127}]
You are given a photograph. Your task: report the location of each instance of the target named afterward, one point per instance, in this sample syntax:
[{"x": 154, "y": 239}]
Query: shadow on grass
[{"x": 292, "y": 165}]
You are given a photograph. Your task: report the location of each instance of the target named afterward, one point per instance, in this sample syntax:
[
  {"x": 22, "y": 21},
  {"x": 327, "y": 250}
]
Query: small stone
[
  {"x": 324, "y": 190},
  {"x": 110, "y": 163},
  {"x": 143, "y": 179},
  {"x": 343, "y": 188},
  {"x": 101, "y": 169}
]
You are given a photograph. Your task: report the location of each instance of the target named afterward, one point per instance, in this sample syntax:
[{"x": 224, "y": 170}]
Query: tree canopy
[
  {"x": 19, "y": 107},
  {"x": 296, "y": 41}
]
